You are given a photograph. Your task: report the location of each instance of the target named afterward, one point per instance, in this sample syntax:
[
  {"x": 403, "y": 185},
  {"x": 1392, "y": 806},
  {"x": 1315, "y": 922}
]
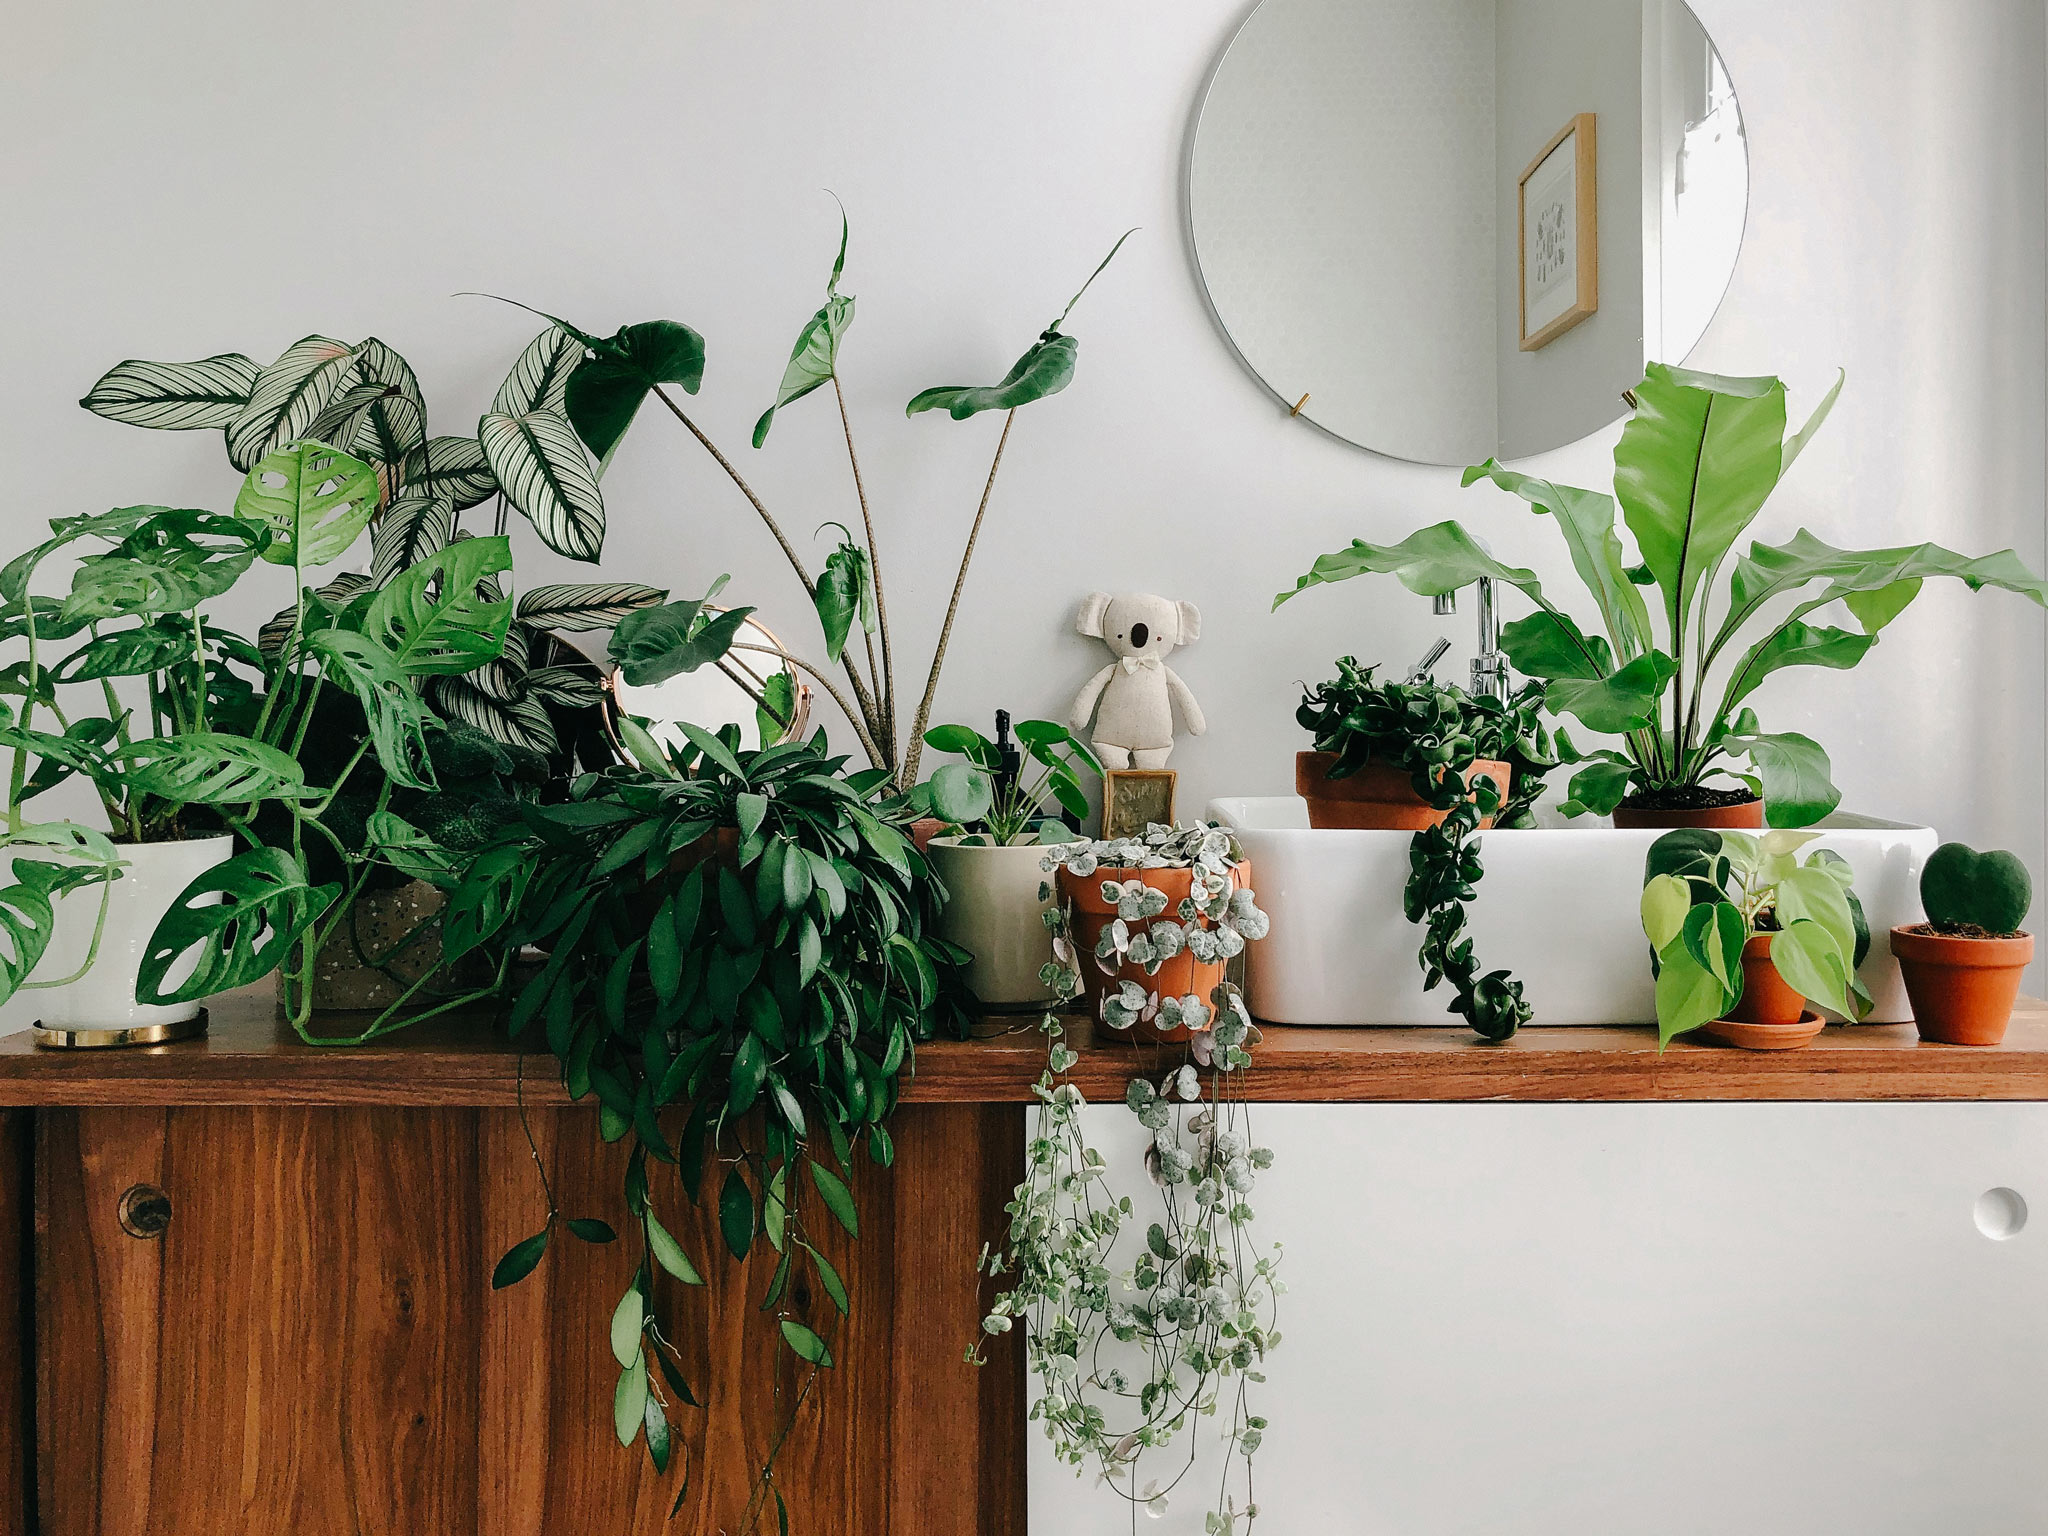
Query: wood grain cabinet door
[{"x": 258, "y": 1320}]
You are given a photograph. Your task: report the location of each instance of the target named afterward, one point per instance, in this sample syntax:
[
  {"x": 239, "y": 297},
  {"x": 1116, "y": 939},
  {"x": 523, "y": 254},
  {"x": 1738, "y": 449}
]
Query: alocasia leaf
[
  {"x": 845, "y": 591},
  {"x": 314, "y": 499},
  {"x": 815, "y": 356},
  {"x": 607, "y": 387},
  {"x": 653, "y": 645},
  {"x": 239, "y": 919}
]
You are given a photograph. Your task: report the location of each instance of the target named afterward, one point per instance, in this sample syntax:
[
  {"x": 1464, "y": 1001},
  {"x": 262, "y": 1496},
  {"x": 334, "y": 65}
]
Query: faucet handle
[{"x": 1430, "y": 658}]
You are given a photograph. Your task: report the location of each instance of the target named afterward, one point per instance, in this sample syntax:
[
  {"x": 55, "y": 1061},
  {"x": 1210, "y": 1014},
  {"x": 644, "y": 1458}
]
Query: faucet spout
[{"x": 1489, "y": 663}]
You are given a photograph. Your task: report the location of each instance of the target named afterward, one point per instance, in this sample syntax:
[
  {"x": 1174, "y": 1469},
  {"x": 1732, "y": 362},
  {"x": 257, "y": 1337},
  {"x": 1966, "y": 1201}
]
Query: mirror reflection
[
  {"x": 753, "y": 686},
  {"x": 1460, "y": 228}
]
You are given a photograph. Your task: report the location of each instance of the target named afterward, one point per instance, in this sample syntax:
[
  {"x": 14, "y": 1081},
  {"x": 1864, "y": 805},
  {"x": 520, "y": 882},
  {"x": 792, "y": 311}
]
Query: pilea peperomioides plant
[{"x": 1694, "y": 466}]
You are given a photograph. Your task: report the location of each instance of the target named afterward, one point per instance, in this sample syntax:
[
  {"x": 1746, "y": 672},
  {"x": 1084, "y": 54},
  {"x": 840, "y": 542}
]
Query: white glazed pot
[
  {"x": 103, "y": 999},
  {"x": 993, "y": 911}
]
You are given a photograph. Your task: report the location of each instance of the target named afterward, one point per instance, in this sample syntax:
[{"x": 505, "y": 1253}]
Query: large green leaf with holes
[
  {"x": 315, "y": 500},
  {"x": 397, "y": 715},
  {"x": 211, "y": 768},
  {"x": 237, "y": 922},
  {"x": 443, "y": 615}
]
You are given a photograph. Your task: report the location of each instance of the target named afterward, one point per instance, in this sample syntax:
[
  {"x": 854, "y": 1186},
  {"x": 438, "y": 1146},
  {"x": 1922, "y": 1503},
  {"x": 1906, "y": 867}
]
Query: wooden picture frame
[
  {"x": 1563, "y": 288},
  {"x": 1134, "y": 798}
]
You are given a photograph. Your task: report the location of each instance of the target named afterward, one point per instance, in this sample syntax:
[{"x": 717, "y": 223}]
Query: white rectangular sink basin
[{"x": 1559, "y": 907}]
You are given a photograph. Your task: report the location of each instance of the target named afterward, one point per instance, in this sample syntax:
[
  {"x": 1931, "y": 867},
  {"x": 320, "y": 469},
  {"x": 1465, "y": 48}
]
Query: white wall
[{"x": 187, "y": 178}]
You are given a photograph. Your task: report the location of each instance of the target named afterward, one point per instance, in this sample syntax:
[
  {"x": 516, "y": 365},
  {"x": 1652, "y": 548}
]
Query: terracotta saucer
[{"x": 1766, "y": 1037}]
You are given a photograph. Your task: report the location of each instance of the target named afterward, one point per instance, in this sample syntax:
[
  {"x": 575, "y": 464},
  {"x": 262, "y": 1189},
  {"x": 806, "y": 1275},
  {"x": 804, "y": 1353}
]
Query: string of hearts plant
[
  {"x": 1129, "y": 1360},
  {"x": 617, "y": 374},
  {"x": 1436, "y": 732}
]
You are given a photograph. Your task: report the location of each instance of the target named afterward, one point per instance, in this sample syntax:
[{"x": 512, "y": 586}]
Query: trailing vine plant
[
  {"x": 1129, "y": 1360},
  {"x": 1436, "y": 732}
]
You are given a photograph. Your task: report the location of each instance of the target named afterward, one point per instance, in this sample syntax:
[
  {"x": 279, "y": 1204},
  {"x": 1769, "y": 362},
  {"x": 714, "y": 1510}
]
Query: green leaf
[
  {"x": 1813, "y": 895},
  {"x": 773, "y": 715},
  {"x": 287, "y": 395},
  {"x": 1551, "y": 645},
  {"x": 1598, "y": 788},
  {"x": 659, "y": 1444},
  {"x": 829, "y": 1278},
  {"x": 1624, "y": 701},
  {"x": 1429, "y": 562},
  {"x": 592, "y": 1230},
  {"x": 806, "y": 1343},
  {"x": 844, "y": 591},
  {"x": 629, "y": 1320},
  {"x": 837, "y": 1197},
  {"x": 539, "y": 380},
  {"x": 1693, "y": 468},
  {"x": 486, "y": 899},
  {"x": 815, "y": 356},
  {"x": 127, "y": 653},
  {"x": 398, "y": 720},
  {"x": 174, "y": 397},
  {"x": 1713, "y": 934},
  {"x": 452, "y": 468},
  {"x": 1793, "y": 645},
  {"x": 314, "y": 499},
  {"x": 749, "y": 1072},
  {"x": 1798, "y": 786},
  {"x": 736, "y": 1214},
  {"x": 443, "y": 616},
  {"x": 1667, "y": 900},
  {"x": 652, "y": 645},
  {"x": 1687, "y": 996},
  {"x": 1046, "y": 369},
  {"x": 1815, "y": 964},
  {"x": 962, "y": 793},
  {"x": 963, "y": 741},
  {"x": 238, "y": 919},
  {"x": 629, "y": 1402},
  {"x": 520, "y": 722},
  {"x": 643, "y": 748},
  {"x": 585, "y": 605},
  {"x": 714, "y": 750},
  {"x": 211, "y": 768},
  {"x": 669, "y": 1254},
  {"x": 1586, "y": 519},
  {"x": 541, "y": 465},
  {"x": 607, "y": 388},
  {"x": 27, "y": 921},
  {"x": 519, "y": 1260},
  {"x": 414, "y": 526}
]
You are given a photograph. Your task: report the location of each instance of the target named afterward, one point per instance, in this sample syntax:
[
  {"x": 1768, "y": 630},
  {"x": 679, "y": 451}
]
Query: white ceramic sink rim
[{"x": 1342, "y": 953}]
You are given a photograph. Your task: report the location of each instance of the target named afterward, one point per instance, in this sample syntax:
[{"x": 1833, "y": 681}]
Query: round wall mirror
[
  {"x": 727, "y": 692},
  {"x": 1449, "y": 229}
]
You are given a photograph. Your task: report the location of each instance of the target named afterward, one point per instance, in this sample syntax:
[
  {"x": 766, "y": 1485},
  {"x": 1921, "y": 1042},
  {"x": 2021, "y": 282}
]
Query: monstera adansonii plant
[{"x": 1684, "y": 614}]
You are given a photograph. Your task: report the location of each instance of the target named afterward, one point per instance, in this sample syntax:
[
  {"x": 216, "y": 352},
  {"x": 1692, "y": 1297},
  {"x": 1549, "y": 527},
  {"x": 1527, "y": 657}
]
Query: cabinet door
[
  {"x": 310, "y": 1342},
  {"x": 16, "y": 1393},
  {"x": 1589, "y": 1320}
]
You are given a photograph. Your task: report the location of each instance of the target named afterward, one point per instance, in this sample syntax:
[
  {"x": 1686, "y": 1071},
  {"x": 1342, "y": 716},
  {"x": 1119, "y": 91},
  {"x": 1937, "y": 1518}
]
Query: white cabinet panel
[{"x": 1518, "y": 1320}]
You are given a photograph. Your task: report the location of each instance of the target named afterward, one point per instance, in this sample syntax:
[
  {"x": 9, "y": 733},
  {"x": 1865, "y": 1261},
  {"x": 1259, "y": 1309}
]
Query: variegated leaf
[
  {"x": 174, "y": 397},
  {"x": 570, "y": 687},
  {"x": 541, "y": 464},
  {"x": 585, "y": 605},
  {"x": 519, "y": 722},
  {"x": 288, "y": 395},
  {"x": 505, "y": 678},
  {"x": 395, "y": 422},
  {"x": 453, "y": 467},
  {"x": 539, "y": 381},
  {"x": 413, "y": 527}
]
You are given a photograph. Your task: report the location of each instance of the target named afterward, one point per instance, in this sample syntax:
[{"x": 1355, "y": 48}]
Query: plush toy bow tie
[{"x": 1133, "y": 663}]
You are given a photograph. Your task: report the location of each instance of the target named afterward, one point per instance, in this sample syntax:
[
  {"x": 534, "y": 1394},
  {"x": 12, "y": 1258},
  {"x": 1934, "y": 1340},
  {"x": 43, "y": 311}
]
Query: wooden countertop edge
[{"x": 251, "y": 1058}]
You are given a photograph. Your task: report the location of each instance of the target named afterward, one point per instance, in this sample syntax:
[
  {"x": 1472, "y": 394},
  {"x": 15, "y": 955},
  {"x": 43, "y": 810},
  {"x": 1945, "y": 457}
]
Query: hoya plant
[
  {"x": 1001, "y": 795},
  {"x": 615, "y": 375},
  {"x": 742, "y": 942},
  {"x": 1435, "y": 732},
  {"x": 1706, "y": 893},
  {"x": 1685, "y": 628}
]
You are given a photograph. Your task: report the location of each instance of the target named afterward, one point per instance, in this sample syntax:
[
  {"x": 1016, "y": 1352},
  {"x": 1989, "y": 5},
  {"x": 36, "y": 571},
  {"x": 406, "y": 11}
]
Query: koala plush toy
[{"x": 1138, "y": 691}]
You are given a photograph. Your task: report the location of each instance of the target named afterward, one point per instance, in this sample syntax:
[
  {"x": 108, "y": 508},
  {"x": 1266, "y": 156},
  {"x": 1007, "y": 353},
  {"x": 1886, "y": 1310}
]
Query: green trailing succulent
[
  {"x": 740, "y": 962},
  {"x": 1435, "y": 732},
  {"x": 1974, "y": 894},
  {"x": 1706, "y": 893},
  {"x": 1131, "y": 1360},
  {"x": 1694, "y": 467}
]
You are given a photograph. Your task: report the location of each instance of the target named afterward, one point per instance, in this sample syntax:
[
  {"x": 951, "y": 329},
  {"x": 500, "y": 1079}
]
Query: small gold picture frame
[
  {"x": 1134, "y": 798},
  {"x": 1558, "y": 211}
]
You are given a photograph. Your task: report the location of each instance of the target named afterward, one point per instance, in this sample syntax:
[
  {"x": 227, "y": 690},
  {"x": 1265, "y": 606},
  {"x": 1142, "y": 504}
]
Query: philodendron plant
[
  {"x": 617, "y": 374},
  {"x": 1694, "y": 466},
  {"x": 991, "y": 800},
  {"x": 1706, "y": 893}
]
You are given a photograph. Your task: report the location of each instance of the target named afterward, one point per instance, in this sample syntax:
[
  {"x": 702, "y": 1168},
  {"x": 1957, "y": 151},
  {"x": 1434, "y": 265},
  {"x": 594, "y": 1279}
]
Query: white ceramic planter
[
  {"x": 994, "y": 912},
  {"x": 103, "y": 999},
  {"x": 1560, "y": 906}
]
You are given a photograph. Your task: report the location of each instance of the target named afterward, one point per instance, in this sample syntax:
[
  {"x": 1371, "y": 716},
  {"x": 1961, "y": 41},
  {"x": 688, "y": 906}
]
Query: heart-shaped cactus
[{"x": 1962, "y": 888}]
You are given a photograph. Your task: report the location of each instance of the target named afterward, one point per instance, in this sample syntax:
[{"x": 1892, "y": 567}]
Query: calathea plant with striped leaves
[{"x": 412, "y": 696}]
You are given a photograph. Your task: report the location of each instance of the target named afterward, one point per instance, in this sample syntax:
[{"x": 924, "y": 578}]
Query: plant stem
[
  {"x": 867, "y": 742},
  {"x": 885, "y": 678},
  {"x": 914, "y": 748}
]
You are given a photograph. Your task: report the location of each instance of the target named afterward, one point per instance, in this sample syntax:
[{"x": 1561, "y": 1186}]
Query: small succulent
[{"x": 1975, "y": 894}]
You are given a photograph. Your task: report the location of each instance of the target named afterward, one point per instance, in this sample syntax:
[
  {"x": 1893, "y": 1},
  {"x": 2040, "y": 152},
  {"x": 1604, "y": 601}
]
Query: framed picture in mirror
[{"x": 1560, "y": 242}]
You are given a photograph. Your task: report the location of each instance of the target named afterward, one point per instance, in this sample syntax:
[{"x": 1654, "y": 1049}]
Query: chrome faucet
[{"x": 1489, "y": 663}]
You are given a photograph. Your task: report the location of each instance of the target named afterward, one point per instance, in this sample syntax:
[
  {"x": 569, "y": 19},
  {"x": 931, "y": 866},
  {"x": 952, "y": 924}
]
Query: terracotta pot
[
  {"x": 1767, "y": 998},
  {"x": 1747, "y": 817},
  {"x": 1178, "y": 977},
  {"x": 1962, "y": 990},
  {"x": 1378, "y": 796},
  {"x": 923, "y": 830}
]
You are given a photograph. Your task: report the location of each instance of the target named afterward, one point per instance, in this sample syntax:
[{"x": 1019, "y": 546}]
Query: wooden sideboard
[{"x": 304, "y": 1337}]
